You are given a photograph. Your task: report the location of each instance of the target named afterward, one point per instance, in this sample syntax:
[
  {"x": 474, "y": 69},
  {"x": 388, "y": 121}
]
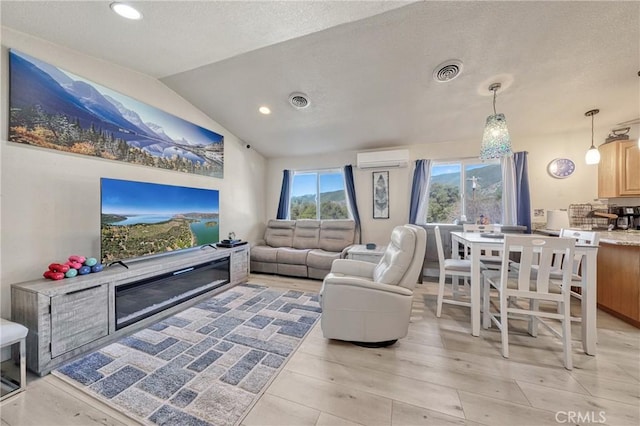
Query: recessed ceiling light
[
  {"x": 264, "y": 110},
  {"x": 126, "y": 11}
]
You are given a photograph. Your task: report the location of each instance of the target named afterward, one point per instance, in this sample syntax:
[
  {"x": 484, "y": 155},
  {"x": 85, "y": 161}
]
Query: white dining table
[{"x": 476, "y": 244}]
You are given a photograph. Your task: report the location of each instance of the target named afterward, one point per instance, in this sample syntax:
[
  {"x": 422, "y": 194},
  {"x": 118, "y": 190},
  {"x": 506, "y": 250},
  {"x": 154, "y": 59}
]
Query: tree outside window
[
  {"x": 467, "y": 188},
  {"x": 318, "y": 195}
]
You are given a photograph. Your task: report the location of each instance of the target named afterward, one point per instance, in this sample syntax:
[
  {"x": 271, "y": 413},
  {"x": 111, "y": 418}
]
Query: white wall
[
  {"x": 50, "y": 201},
  {"x": 547, "y": 193}
]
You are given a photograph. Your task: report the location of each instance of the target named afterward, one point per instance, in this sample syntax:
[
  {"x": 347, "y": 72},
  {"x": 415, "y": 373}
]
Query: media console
[{"x": 70, "y": 317}]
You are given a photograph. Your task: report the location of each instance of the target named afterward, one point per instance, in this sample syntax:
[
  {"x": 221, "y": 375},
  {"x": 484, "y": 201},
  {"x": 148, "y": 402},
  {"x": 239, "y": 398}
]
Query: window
[
  {"x": 468, "y": 188},
  {"x": 318, "y": 195}
]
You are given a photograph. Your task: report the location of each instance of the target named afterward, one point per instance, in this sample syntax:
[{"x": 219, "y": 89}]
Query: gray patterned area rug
[{"x": 206, "y": 365}]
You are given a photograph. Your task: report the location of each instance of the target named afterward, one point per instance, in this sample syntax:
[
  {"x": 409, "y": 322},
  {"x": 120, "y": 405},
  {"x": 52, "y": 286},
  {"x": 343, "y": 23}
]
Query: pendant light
[
  {"x": 593, "y": 155},
  {"x": 496, "y": 141}
]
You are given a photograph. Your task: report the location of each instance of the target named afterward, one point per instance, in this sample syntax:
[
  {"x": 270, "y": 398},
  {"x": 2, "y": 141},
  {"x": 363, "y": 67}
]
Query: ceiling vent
[
  {"x": 447, "y": 71},
  {"x": 383, "y": 159},
  {"x": 299, "y": 100}
]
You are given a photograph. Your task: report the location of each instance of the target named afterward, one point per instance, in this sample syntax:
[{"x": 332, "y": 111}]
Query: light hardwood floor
[{"x": 439, "y": 374}]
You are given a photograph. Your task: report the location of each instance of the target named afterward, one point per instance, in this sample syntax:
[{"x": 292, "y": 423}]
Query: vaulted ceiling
[{"x": 367, "y": 66}]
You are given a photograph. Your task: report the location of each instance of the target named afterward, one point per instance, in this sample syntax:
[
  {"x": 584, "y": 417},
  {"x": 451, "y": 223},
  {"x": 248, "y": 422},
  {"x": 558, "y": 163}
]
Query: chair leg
[
  {"x": 534, "y": 305},
  {"x": 504, "y": 325},
  {"x": 566, "y": 337},
  {"x": 440, "y": 293},
  {"x": 23, "y": 365},
  {"x": 486, "y": 319},
  {"x": 455, "y": 282}
]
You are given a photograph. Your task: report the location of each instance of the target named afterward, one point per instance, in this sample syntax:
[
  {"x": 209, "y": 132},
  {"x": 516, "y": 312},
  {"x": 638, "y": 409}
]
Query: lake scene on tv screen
[{"x": 141, "y": 219}]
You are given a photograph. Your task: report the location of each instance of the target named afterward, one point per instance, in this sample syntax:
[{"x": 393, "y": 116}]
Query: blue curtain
[
  {"x": 351, "y": 197},
  {"x": 285, "y": 195},
  {"x": 523, "y": 197},
  {"x": 420, "y": 192}
]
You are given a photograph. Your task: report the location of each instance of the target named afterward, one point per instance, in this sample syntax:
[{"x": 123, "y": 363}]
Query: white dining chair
[
  {"x": 488, "y": 259},
  {"x": 580, "y": 237},
  {"x": 456, "y": 269},
  {"x": 544, "y": 284}
]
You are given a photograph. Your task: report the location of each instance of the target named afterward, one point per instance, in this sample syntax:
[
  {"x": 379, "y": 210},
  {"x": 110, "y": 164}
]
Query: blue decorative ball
[
  {"x": 84, "y": 270},
  {"x": 97, "y": 267}
]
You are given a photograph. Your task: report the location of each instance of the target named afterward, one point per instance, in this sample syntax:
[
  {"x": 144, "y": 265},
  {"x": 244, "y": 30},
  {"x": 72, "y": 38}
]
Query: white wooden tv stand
[{"x": 70, "y": 317}]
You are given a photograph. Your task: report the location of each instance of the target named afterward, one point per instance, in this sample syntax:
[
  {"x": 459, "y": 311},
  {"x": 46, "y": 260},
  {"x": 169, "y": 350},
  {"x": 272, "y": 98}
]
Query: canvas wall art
[
  {"x": 53, "y": 108},
  {"x": 381, "y": 195}
]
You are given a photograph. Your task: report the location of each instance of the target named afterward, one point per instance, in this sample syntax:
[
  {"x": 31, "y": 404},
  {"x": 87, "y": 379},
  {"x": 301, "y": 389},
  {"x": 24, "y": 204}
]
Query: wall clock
[{"x": 561, "y": 168}]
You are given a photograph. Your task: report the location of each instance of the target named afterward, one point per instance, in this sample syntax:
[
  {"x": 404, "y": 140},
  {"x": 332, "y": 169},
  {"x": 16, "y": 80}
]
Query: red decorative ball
[
  {"x": 76, "y": 258},
  {"x": 58, "y": 267},
  {"x": 73, "y": 264},
  {"x": 53, "y": 275}
]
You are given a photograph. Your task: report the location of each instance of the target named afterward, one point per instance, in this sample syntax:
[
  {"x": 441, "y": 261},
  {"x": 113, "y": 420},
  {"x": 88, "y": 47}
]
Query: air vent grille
[
  {"x": 447, "y": 71},
  {"x": 299, "y": 100}
]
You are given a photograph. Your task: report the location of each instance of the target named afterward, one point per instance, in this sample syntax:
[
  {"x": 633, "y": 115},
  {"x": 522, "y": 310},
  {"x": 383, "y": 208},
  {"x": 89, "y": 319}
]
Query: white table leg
[
  {"x": 589, "y": 306},
  {"x": 475, "y": 290}
]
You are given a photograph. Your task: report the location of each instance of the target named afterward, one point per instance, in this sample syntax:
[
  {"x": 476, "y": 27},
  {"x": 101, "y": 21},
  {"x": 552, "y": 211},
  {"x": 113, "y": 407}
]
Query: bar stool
[{"x": 10, "y": 334}]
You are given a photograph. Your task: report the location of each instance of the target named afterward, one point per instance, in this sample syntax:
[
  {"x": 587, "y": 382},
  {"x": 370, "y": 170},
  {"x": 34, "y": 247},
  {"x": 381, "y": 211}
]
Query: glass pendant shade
[
  {"x": 592, "y": 156},
  {"x": 496, "y": 141}
]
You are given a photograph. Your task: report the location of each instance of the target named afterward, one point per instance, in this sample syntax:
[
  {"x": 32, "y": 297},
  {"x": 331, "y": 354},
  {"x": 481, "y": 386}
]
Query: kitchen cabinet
[
  {"x": 619, "y": 169},
  {"x": 619, "y": 275}
]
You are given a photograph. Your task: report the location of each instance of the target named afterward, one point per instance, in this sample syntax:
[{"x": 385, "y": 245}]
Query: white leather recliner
[{"x": 370, "y": 304}]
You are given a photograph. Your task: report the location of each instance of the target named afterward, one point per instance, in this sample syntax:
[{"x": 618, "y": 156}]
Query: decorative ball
[
  {"x": 71, "y": 273},
  {"x": 53, "y": 275},
  {"x": 97, "y": 267},
  {"x": 84, "y": 270},
  {"x": 58, "y": 267},
  {"x": 90, "y": 261},
  {"x": 74, "y": 264},
  {"x": 76, "y": 258}
]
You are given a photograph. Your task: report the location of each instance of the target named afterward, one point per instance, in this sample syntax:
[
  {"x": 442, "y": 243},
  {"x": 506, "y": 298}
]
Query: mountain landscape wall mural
[{"x": 56, "y": 109}]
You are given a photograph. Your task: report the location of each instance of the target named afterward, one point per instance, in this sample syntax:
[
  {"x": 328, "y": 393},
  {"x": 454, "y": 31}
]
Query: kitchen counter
[
  {"x": 623, "y": 238},
  {"x": 619, "y": 275}
]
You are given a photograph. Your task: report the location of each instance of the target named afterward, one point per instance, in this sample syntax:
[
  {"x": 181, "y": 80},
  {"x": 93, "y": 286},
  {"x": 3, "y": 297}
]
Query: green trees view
[
  {"x": 333, "y": 205},
  {"x": 446, "y": 189},
  {"x": 445, "y": 197}
]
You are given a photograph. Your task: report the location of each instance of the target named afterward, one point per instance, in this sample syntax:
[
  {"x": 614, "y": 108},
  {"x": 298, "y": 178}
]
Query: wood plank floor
[{"x": 439, "y": 374}]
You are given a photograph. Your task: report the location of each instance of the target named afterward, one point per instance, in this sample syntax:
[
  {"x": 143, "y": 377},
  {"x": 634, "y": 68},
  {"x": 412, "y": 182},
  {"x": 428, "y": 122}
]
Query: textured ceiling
[{"x": 367, "y": 66}]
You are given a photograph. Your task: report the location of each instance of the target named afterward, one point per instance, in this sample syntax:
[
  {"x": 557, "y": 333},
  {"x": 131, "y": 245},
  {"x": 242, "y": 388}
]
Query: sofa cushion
[
  {"x": 292, "y": 270},
  {"x": 279, "y": 233},
  {"x": 321, "y": 259},
  {"x": 292, "y": 256},
  {"x": 336, "y": 235},
  {"x": 306, "y": 234},
  {"x": 264, "y": 267},
  {"x": 264, "y": 254},
  {"x": 397, "y": 257}
]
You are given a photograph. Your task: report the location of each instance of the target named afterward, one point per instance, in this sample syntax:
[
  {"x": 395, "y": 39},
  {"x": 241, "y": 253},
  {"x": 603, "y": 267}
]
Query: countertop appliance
[{"x": 628, "y": 217}]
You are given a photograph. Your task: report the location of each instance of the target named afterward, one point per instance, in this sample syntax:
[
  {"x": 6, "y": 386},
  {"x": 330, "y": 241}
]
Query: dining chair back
[
  {"x": 455, "y": 268},
  {"x": 488, "y": 259},
  {"x": 535, "y": 280},
  {"x": 472, "y": 227},
  {"x": 581, "y": 237}
]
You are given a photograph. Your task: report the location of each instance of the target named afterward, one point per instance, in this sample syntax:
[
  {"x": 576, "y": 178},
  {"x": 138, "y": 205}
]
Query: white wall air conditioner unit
[{"x": 382, "y": 159}]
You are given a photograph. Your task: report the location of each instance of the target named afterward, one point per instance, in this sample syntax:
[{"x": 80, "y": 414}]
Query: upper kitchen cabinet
[{"x": 619, "y": 169}]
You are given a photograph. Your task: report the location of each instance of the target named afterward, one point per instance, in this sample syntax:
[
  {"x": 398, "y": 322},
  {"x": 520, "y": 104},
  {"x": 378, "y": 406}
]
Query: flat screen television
[{"x": 139, "y": 219}]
